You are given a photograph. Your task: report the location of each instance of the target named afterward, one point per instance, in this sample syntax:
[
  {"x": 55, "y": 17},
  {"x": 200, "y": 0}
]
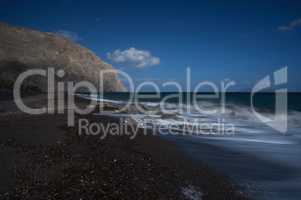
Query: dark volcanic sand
[{"x": 41, "y": 158}]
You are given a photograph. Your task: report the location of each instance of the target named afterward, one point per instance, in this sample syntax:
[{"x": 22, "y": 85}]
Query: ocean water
[{"x": 262, "y": 161}]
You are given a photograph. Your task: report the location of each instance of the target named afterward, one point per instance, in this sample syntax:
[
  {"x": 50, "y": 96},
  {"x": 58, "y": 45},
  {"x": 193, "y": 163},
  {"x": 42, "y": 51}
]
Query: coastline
[{"x": 43, "y": 158}]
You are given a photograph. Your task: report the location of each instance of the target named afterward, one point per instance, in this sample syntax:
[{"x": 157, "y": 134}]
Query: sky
[{"x": 242, "y": 41}]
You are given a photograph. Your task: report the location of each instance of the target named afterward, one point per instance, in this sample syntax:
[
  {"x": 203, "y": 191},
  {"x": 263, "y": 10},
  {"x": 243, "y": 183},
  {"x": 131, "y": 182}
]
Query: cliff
[{"x": 22, "y": 49}]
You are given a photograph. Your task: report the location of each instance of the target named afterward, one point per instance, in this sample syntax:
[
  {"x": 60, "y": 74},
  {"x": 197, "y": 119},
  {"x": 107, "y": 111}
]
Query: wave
[
  {"x": 178, "y": 116},
  {"x": 96, "y": 98}
]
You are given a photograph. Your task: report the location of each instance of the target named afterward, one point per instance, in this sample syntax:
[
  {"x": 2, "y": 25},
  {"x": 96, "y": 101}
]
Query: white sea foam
[
  {"x": 192, "y": 193},
  {"x": 240, "y": 116},
  {"x": 239, "y": 139}
]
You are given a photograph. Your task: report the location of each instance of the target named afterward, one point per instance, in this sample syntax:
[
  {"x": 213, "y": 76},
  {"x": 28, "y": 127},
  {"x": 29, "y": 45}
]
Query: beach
[{"x": 43, "y": 158}]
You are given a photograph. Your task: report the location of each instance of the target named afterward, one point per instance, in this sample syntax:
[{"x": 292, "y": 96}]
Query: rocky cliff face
[{"x": 22, "y": 49}]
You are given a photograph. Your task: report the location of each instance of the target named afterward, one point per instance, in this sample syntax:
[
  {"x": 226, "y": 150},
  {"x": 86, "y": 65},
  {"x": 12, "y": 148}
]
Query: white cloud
[
  {"x": 69, "y": 34},
  {"x": 291, "y": 26},
  {"x": 135, "y": 57}
]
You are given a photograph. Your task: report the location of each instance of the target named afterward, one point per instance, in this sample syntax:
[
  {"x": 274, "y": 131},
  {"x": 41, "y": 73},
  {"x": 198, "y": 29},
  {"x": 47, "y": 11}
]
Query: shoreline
[{"x": 42, "y": 157}]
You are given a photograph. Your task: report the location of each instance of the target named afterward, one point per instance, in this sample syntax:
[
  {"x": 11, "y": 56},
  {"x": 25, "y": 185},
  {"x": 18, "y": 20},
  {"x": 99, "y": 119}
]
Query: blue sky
[{"x": 238, "y": 40}]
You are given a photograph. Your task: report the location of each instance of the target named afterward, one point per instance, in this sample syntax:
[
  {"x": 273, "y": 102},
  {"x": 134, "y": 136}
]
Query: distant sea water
[{"x": 260, "y": 160}]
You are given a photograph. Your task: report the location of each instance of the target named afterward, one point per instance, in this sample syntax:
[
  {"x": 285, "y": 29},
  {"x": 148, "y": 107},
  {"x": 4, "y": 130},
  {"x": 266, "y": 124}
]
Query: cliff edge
[{"x": 23, "y": 48}]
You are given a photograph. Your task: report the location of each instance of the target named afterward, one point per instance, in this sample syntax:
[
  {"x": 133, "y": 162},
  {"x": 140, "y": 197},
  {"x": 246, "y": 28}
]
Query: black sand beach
[{"x": 41, "y": 158}]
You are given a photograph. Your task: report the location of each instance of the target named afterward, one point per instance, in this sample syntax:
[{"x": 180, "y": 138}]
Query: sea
[{"x": 224, "y": 131}]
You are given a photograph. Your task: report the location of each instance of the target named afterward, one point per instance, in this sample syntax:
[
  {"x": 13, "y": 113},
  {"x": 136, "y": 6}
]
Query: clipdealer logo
[
  {"x": 279, "y": 121},
  {"x": 57, "y": 90}
]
